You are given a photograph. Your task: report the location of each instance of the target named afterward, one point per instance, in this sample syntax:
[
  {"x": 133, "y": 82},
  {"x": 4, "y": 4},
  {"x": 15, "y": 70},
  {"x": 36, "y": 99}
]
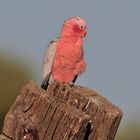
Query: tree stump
[{"x": 63, "y": 112}]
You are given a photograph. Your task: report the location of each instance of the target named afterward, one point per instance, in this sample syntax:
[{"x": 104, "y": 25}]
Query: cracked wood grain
[
  {"x": 105, "y": 117},
  {"x": 64, "y": 112}
]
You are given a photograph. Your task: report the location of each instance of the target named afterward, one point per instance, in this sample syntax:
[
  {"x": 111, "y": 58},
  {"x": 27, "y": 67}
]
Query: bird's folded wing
[{"x": 48, "y": 60}]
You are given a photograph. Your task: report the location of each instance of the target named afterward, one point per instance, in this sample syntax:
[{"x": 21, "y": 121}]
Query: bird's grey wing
[{"x": 47, "y": 63}]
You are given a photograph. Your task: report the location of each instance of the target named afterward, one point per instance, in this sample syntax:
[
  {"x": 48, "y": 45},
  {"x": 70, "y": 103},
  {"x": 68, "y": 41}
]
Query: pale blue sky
[{"x": 112, "y": 45}]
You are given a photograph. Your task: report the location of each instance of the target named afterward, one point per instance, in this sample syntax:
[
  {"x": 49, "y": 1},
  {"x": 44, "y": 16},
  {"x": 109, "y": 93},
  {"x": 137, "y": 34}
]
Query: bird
[{"x": 64, "y": 57}]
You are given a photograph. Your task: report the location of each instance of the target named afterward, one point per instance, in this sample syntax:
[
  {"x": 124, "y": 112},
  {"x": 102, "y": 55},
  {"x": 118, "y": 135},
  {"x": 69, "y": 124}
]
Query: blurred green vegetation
[
  {"x": 13, "y": 76},
  {"x": 130, "y": 132}
]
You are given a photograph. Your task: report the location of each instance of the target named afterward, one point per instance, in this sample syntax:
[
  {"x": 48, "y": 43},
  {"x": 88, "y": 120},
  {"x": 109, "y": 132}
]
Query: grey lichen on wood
[{"x": 64, "y": 112}]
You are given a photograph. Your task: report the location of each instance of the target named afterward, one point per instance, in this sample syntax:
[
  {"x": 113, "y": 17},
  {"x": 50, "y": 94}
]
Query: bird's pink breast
[{"x": 68, "y": 60}]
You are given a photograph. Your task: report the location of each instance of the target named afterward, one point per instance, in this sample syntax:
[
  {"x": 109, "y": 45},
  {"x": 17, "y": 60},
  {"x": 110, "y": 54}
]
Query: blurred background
[{"x": 112, "y": 50}]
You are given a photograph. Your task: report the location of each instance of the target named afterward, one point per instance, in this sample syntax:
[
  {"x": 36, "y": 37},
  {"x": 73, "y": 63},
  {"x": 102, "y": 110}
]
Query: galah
[{"x": 64, "y": 57}]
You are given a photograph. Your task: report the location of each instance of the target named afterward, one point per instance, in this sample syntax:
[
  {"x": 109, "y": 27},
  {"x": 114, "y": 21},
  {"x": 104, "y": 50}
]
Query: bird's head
[{"x": 74, "y": 26}]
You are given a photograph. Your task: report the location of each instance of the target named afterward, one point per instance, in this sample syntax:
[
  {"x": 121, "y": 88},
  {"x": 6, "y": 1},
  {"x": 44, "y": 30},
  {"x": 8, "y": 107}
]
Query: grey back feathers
[{"x": 47, "y": 64}]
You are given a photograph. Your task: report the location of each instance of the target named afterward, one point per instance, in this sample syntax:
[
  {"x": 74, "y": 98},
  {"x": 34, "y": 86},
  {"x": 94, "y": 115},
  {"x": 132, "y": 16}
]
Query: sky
[{"x": 112, "y": 44}]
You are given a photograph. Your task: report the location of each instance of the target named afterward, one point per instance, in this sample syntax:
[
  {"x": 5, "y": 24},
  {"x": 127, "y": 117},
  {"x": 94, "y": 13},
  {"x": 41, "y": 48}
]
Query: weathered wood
[
  {"x": 64, "y": 112},
  {"x": 3, "y": 137},
  {"x": 39, "y": 117},
  {"x": 105, "y": 117}
]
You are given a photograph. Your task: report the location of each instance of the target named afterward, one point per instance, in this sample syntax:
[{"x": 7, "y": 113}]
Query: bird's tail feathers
[
  {"x": 45, "y": 82},
  {"x": 44, "y": 85}
]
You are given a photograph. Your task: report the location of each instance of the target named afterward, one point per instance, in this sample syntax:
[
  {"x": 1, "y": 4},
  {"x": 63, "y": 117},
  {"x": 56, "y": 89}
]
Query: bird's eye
[{"x": 81, "y": 27}]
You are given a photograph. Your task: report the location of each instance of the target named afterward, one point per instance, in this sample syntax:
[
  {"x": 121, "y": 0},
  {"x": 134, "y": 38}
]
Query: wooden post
[{"x": 64, "y": 112}]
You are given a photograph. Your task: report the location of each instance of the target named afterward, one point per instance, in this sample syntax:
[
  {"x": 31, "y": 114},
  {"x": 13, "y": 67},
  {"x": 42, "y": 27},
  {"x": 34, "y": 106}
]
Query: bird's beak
[{"x": 85, "y": 33}]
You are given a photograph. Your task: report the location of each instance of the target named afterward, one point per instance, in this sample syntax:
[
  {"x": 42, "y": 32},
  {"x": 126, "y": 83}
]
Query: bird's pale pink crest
[{"x": 74, "y": 26}]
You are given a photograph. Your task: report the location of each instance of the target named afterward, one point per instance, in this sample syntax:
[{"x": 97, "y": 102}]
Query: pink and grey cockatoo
[{"x": 64, "y": 57}]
